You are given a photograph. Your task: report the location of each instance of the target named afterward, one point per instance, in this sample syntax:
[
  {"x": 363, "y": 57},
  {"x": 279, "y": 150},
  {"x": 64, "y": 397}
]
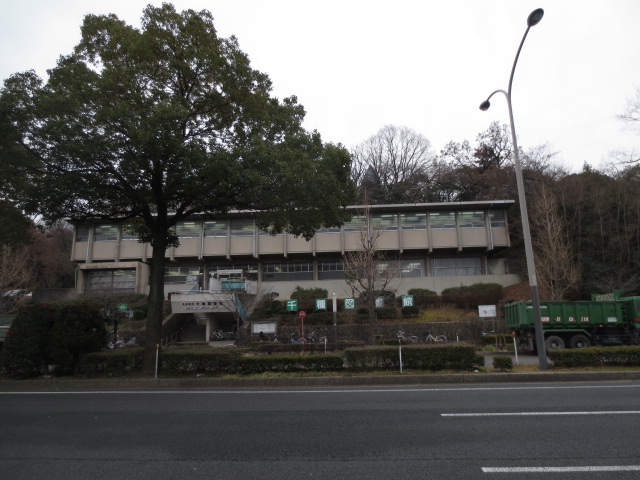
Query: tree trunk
[
  {"x": 155, "y": 310},
  {"x": 373, "y": 321}
]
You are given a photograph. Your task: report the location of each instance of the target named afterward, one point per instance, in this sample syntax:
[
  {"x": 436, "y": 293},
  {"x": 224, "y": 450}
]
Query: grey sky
[{"x": 358, "y": 65}]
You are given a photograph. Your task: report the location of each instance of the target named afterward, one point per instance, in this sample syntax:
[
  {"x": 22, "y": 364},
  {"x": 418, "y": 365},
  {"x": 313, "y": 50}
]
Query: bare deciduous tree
[
  {"x": 389, "y": 160},
  {"x": 16, "y": 273},
  {"x": 558, "y": 274},
  {"x": 367, "y": 270}
]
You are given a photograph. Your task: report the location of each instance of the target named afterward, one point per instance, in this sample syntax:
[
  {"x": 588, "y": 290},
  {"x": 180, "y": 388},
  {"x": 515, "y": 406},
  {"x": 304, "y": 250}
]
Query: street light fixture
[{"x": 533, "y": 19}]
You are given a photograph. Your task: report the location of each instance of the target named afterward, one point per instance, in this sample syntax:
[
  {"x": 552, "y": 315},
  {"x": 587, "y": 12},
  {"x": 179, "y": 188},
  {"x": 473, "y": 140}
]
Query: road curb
[{"x": 49, "y": 385}]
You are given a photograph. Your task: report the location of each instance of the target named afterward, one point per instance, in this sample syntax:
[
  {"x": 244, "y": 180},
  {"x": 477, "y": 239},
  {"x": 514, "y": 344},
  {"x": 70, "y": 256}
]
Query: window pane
[
  {"x": 497, "y": 218},
  {"x": 457, "y": 266},
  {"x": 386, "y": 221},
  {"x": 215, "y": 228},
  {"x": 121, "y": 280},
  {"x": 471, "y": 219},
  {"x": 182, "y": 274},
  {"x": 106, "y": 233},
  {"x": 241, "y": 227},
  {"x": 355, "y": 224},
  {"x": 82, "y": 233},
  {"x": 442, "y": 219},
  {"x": 188, "y": 229},
  {"x": 413, "y": 221},
  {"x": 411, "y": 268},
  {"x": 275, "y": 272}
]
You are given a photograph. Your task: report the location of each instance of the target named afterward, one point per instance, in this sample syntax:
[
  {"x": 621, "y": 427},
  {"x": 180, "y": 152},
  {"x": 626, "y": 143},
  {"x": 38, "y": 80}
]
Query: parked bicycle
[
  {"x": 437, "y": 339},
  {"x": 294, "y": 339},
  {"x": 410, "y": 338}
]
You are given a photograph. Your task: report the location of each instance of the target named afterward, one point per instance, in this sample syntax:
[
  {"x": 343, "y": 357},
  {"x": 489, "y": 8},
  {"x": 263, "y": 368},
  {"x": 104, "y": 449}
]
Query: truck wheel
[
  {"x": 554, "y": 343},
  {"x": 579, "y": 341}
]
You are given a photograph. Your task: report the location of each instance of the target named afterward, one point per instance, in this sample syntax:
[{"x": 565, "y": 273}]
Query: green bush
[
  {"x": 111, "y": 363},
  {"x": 210, "y": 361},
  {"x": 595, "y": 357},
  {"x": 308, "y": 293},
  {"x": 424, "y": 298},
  {"x": 436, "y": 357},
  {"x": 473, "y": 295},
  {"x": 502, "y": 363},
  {"x": 77, "y": 329},
  {"x": 290, "y": 363},
  {"x": 24, "y": 352},
  {"x": 411, "y": 311},
  {"x": 58, "y": 334},
  {"x": 387, "y": 312},
  {"x": 421, "y": 292}
]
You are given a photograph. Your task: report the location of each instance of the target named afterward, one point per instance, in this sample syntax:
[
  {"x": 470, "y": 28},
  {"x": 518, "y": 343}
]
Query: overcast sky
[{"x": 424, "y": 64}]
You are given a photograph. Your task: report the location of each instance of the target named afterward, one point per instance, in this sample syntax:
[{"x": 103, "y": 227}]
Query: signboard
[
  {"x": 292, "y": 305},
  {"x": 487, "y": 310},
  {"x": 263, "y": 327},
  {"x": 123, "y": 307},
  {"x": 349, "y": 303},
  {"x": 407, "y": 300},
  {"x": 321, "y": 304},
  {"x": 379, "y": 302},
  {"x": 302, "y": 314}
]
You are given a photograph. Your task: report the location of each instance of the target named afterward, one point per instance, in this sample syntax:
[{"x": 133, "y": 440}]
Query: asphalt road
[{"x": 528, "y": 431}]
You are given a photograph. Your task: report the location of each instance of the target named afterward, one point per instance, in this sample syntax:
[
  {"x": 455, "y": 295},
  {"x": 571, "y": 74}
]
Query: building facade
[{"x": 430, "y": 245}]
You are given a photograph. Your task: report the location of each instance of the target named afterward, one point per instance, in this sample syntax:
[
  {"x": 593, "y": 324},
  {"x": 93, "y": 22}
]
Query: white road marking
[
  {"x": 612, "y": 468},
  {"x": 540, "y": 414}
]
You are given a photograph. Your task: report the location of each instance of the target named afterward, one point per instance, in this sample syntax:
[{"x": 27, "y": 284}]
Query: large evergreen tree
[{"x": 147, "y": 126}]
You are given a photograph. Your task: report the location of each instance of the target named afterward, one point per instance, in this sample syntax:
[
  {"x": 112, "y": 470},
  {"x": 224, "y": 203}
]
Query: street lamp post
[{"x": 533, "y": 19}]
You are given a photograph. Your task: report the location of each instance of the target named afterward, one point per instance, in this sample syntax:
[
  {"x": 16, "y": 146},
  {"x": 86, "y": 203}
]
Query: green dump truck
[{"x": 608, "y": 319}]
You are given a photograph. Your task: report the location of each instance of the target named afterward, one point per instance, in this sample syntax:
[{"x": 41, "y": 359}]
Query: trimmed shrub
[
  {"x": 502, "y": 363},
  {"x": 111, "y": 363},
  {"x": 436, "y": 357},
  {"x": 387, "y": 312},
  {"x": 421, "y": 292},
  {"x": 595, "y": 357},
  {"x": 411, "y": 311},
  {"x": 424, "y": 298},
  {"x": 309, "y": 293},
  {"x": 210, "y": 361},
  {"x": 473, "y": 295},
  {"x": 290, "y": 363}
]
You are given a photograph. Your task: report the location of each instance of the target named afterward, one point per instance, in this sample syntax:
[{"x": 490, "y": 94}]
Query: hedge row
[
  {"x": 111, "y": 363},
  {"x": 288, "y": 363},
  {"x": 234, "y": 361},
  {"x": 431, "y": 357},
  {"x": 595, "y": 357}
]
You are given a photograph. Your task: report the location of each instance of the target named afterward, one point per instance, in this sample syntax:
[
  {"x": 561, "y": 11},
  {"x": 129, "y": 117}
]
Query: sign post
[
  {"x": 302, "y": 314},
  {"x": 489, "y": 311}
]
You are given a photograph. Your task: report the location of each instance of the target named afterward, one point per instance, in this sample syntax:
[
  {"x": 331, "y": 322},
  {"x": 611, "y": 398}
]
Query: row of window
[
  {"x": 123, "y": 280},
  {"x": 236, "y": 227},
  {"x": 332, "y": 270}
]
